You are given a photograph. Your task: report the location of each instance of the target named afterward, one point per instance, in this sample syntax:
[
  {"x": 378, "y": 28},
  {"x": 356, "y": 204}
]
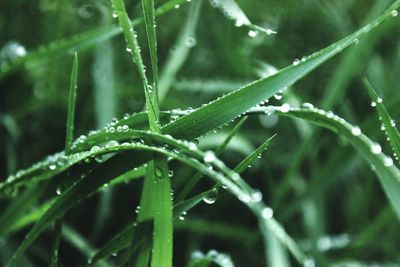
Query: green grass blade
[
  {"x": 387, "y": 172},
  {"x": 162, "y": 239},
  {"x": 176, "y": 58},
  {"x": 388, "y": 123},
  {"x": 234, "y": 104},
  {"x": 56, "y": 243},
  {"x": 134, "y": 49},
  {"x": 150, "y": 24},
  {"x": 71, "y": 106},
  {"x": 244, "y": 164},
  {"x": 79, "y": 41},
  {"x": 196, "y": 178},
  {"x": 104, "y": 173},
  {"x": 233, "y": 11}
]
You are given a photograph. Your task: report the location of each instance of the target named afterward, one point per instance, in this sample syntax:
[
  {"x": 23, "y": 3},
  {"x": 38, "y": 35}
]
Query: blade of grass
[
  {"x": 150, "y": 24},
  {"x": 103, "y": 174},
  {"x": 177, "y": 57},
  {"x": 388, "y": 123},
  {"x": 79, "y": 41},
  {"x": 134, "y": 49},
  {"x": 387, "y": 172},
  {"x": 196, "y": 178},
  {"x": 234, "y": 104},
  {"x": 68, "y": 145},
  {"x": 233, "y": 11}
]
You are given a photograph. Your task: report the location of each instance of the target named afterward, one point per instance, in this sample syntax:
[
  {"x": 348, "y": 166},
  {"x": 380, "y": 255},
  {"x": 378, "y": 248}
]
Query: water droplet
[
  {"x": 309, "y": 263},
  {"x": 177, "y": 6},
  {"x": 114, "y": 14},
  {"x": 158, "y": 172},
  {"x": 285, "y": 108},
  {"x": 379, "y": 100},
  {"x": 256, "y": 196},
  {"x": 373, "y": 104},
  {"x": 170, "y": 173},
  {"x": 278, "y": 96},
  {"x": 252, "y": 33},
  {"x": 211, "y": 196},
  {"x": 126, "y": 116},
  {"x": 112, "y": 143},
  {"x": 245, "y": 198},
  {"x": 394, "y": 13},
  {"x": 356, "y": 131},
  {"x": 190, "y": 42},
  {"x": 52, "y": 167},
  {"x": 356, "y": 41},
  {"x": 209, "y": 157},
  {"x": 307, "y": 106},
  {"x": 376, "y": 148},
  {"x": 238, "y": 23},
  {"x": 128, "y": 49},
  {"x": 182, "y": 216},
  {"x": 58, "y": 190},
  {"x": 267, "y": 213},
  {"x": 388, "y": 161},
  {"x": 296, "y": 62}
]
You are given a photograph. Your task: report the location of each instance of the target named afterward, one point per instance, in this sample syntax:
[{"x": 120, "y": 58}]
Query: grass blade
[
  {"x": 232, "y": 10},
  {"x": 134, "y": 49},
  {"x": 388, "y": 123},
  {"x": 71, "y": 106},
  {"x": 176, "y": 58},
  {"x": 150, "y": 24},
  {"x": 234, "y": 104},
  {"x": 387, "y": 172}
]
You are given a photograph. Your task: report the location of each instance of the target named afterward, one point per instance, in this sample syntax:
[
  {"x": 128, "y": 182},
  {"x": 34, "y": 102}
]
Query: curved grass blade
[
  {"x": 234, "y": 104},
  {"x": 177, "y": 57},
  {"x": 387, "y": 172},
  {"x": 388, "y": 125},
  {"x": 103, "y": 174}
]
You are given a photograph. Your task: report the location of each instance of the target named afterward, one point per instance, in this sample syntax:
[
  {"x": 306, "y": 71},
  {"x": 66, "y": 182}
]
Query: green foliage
[{"x": 293, "y": 207}]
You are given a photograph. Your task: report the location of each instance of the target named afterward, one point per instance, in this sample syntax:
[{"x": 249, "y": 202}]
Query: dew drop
[
  {"x": 285, "y": 108},
  {"x": 307, "y": 106},
  {"x": 177, "y": 6},
  {"x": 379, "y": 100},
  {"x": 58, "y": 191},
  {"x": 114, "y": 14},
  {"x": 356, "y": 131},
  {"x": 376, "y": 148},
  {"x": 373, "y": 104},
  {"x": 170, "y": 173},
  {"x": 211, "y": 196},
  {"x": 209, "y": 157},
  {"x": 256, "y": 196},
  {"x": 158, "y": 172},
  {"x": 52, "y": 167},
  {"x": 190, "y": 42},
  {"x": 278, "y": 96},
  {"x": 296, "y": 62},
  {"x": 394, "y": 13},
  {"x": 112, "y": 143},
  {"x": 128, "y": 49},
  {"x": 267, "y": 213},
  {"x": 356, "y": 41},
  {"x": 252, "y": 33},
  {"x": 388, "y": 161}
]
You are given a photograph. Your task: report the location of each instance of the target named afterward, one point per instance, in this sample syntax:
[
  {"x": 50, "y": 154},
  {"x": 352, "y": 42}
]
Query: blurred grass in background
[{"x": 320, "y": 188}]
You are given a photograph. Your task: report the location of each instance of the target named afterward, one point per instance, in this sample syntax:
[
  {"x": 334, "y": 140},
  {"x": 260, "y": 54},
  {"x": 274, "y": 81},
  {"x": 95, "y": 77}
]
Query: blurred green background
[{"x": 320, "y": 188}]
